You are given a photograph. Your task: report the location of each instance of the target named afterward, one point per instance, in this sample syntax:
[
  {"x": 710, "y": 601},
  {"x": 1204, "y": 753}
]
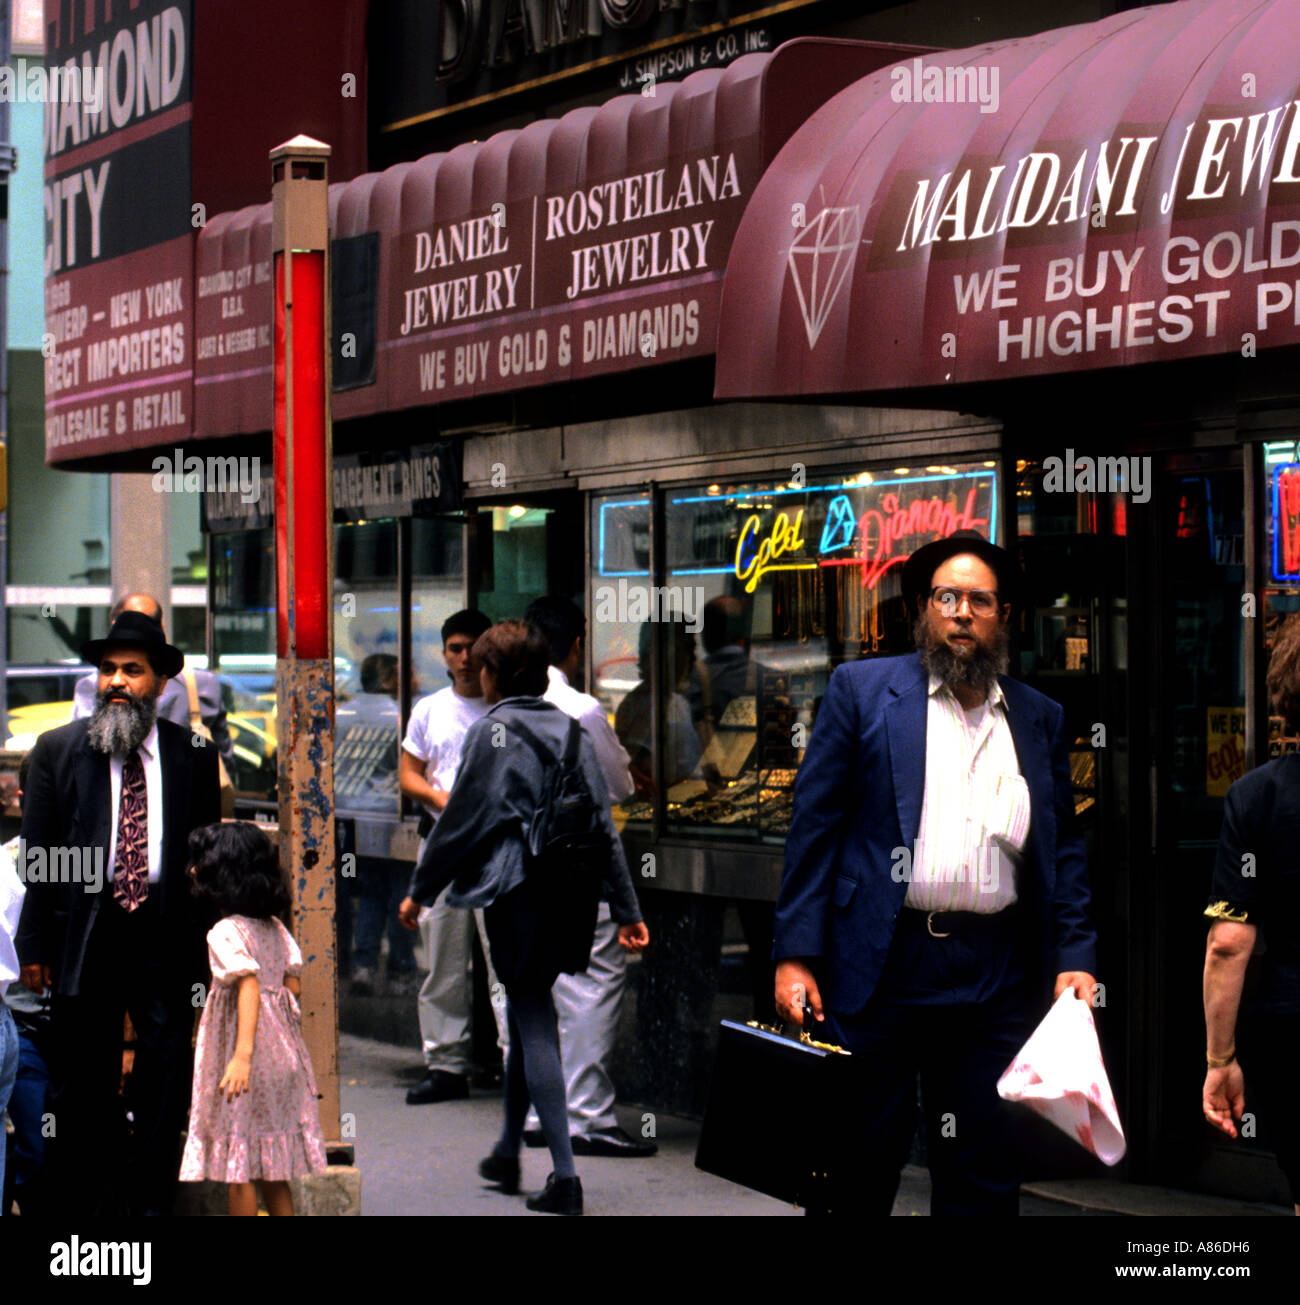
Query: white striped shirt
[{"x": 975, "y": 813}]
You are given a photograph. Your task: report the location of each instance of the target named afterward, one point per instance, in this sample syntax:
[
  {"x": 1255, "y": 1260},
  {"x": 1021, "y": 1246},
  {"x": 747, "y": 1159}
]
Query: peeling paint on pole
[
  {"x": 304, "y": 543},
  {"x": 305, "y": 712}
]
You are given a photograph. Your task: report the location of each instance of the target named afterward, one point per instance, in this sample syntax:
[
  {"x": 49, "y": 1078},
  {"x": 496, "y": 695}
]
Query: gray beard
[
  {"x": 116, "y": 727},
  {"x": 979, "y": 671}
]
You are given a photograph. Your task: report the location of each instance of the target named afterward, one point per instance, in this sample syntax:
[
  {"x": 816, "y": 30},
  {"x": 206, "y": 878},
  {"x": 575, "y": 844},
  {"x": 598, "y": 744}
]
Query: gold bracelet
[{"x": 1221, "y": 1064}]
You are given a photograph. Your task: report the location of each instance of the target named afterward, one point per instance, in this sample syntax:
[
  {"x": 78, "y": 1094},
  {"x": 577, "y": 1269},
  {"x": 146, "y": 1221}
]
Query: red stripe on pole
[
  {"x": 283, "y": 592},
  {"x": 302, "y": 567}
]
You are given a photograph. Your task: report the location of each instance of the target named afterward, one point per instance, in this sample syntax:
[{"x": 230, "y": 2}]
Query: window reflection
[{"x": 769, "y": 586}]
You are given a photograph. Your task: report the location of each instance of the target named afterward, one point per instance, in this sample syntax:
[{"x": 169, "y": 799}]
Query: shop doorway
[
  {"x": 1135, "y": 627},
  {"x": 524, "y": 548},
  {"x": 1188, "y": 574},
  {"x": 1074, "y": 647}
]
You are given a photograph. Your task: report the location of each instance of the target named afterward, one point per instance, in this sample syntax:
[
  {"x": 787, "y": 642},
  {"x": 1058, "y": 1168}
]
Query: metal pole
[{"x": 304, "y": 542}]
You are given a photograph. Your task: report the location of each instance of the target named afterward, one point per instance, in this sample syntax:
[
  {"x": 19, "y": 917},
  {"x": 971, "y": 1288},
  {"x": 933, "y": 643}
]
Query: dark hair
[
  {"x": 236, "y": 866},
  {"x": 377, "y": 669},
  {"x": 724, "y": 622},
  {"x": 1283, "y": 677},
  {"x": 561, "y": 622},
  {"x": 468, "y": 622},
  {"x": 515, "y": 653}
]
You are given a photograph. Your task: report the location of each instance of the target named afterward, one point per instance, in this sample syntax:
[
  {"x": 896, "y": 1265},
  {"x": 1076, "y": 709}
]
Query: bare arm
[
  {"x": 411, "y": 780},
  {"x": 235, "y": 1079},
  {"x": 292, "y": 982},
  {"x": 1227, "y": 954}
]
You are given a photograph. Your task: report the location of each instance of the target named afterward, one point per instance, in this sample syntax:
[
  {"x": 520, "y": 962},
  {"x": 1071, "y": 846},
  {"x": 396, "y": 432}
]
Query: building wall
[{"x": 58, "y": 524}]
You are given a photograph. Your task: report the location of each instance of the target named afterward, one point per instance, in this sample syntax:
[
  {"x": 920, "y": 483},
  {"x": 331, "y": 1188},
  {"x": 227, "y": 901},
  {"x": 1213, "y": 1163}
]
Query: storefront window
[
  {"x": 621, "y": 643},
  {"x": 243, "y": 623},
  {"x": 768, "y": 587},
  {"x": 437, "y": 590},
  {"x": 1281, "y": 563},
  {"x": 1074, "y": 642},
  {"x": 367, "y": 681}
]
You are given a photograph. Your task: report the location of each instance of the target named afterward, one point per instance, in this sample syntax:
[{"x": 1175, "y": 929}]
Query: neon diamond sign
[{"x": 821, "y": 259}]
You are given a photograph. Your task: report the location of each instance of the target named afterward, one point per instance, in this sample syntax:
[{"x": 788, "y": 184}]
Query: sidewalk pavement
[{"x": 423, "y": 1160}]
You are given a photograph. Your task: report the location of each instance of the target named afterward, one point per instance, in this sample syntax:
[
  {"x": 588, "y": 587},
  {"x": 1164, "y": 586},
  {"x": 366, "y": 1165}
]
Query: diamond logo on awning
[{"x": 821, "y": 259}]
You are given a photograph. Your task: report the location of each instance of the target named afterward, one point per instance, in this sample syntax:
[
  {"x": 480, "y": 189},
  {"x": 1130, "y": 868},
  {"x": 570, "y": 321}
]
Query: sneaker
[
  {"x": 438, "y": 1085},
  {"x": 501, "y": 1170},
  {"x": 363, "y": 981},
  {"x": 560, "y": 1196}
]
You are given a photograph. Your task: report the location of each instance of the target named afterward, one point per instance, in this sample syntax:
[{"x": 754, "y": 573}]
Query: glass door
[
  {"x": 1073, "y": 646},
  {"x": 1194, "y": 673}
]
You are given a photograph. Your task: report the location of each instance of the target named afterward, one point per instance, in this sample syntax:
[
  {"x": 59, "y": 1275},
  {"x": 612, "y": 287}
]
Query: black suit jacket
[{"x": 67, "y": 804}]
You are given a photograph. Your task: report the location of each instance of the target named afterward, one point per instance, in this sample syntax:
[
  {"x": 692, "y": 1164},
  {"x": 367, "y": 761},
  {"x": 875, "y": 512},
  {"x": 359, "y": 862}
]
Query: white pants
[
  {"x": 587, "y": 1007},
  {"x": 447, "y": 993}
]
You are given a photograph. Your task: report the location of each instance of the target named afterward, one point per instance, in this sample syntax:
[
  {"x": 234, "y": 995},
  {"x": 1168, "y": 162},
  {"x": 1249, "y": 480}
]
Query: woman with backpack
[{"x": 526, "y": 833}]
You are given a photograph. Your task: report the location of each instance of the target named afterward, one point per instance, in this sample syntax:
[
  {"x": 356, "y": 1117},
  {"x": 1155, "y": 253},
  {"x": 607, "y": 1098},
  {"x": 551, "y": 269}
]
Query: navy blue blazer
[{"x": 858, "y": 798}]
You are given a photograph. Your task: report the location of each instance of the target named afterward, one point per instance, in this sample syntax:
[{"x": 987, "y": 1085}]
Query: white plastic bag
[{"x": 1059, "y": 1074}]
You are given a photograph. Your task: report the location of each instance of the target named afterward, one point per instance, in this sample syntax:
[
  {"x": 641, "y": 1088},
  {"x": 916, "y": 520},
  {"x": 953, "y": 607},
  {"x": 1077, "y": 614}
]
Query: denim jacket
[{"x": 477, "y": 847}]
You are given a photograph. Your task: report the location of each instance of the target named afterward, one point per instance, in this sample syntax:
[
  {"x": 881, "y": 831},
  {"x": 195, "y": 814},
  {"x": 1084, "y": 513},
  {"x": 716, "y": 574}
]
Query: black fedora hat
[
  {"x": 136, "y": 630},
  {"x": 919, "y": 569}
]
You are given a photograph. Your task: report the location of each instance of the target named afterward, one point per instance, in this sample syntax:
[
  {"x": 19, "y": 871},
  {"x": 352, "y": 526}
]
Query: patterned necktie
[{"x": 131, "y": 868}]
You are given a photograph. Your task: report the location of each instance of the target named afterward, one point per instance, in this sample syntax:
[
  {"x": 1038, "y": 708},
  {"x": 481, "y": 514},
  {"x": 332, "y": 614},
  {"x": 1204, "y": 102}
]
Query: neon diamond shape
[
  {"x": 840, "y": 525},
  {"x": 821, "y": 259}
]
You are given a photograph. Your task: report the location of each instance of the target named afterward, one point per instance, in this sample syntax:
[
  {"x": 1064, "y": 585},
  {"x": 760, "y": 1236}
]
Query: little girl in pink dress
[{"x": 253, "y": 1113}]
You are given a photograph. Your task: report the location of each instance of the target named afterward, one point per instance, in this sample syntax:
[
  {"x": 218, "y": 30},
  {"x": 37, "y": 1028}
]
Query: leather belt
[{"x": 943, "y": 924}]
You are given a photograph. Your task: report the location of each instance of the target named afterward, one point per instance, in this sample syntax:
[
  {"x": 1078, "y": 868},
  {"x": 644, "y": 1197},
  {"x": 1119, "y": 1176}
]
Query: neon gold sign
[{"x": 754, "y": 562}]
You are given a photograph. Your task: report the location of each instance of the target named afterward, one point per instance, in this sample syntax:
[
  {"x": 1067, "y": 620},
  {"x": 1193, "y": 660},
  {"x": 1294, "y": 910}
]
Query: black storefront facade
[
  {"x": 1095, "y": 271},
  {"x": 734, "y": 531}
]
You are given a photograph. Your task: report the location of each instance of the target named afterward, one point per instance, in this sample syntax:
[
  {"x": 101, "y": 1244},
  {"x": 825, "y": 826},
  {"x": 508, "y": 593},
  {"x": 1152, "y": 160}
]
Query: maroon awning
[
  {"x": 576, "y": 246},
  {"x": 1113, "y": 193}
]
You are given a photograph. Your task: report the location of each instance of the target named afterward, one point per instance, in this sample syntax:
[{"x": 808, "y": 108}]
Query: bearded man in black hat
[
  {"x": 110, "y": 926},
  {"x": 935, "y": 893}
]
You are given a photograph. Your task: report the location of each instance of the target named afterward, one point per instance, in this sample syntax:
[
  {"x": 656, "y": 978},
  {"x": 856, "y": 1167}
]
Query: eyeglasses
[{"x": 982, "y": 602}]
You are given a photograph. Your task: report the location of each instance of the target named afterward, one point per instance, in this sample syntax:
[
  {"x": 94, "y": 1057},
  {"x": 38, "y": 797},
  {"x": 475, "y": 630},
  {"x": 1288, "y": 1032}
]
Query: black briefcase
[{"x": 776, "y": 1113}]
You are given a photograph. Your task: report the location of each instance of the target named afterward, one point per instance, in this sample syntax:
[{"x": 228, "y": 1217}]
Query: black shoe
[
  {"x": 486, "y": 1077},
  {"x": 561, "y": 1196},
  {"x": 534, "y": 1137},
  {"x": 438, "y": 1085},
  {"x": 611, "y": 1142},
  {"x": 502, "y": 1171}
]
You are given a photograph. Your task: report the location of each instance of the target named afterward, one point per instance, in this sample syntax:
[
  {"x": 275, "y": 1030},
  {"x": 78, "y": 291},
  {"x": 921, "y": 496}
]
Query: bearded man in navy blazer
[{"x": 935, "y": 889}]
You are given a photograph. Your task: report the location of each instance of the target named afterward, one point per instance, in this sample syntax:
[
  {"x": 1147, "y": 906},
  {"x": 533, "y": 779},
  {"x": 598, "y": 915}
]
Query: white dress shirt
[
  {"x": 588, "y": 712},
  {"x": 975, "y": 813},
  {"x": 153, "y": 796},
  {"x": 12, "y": 889}
]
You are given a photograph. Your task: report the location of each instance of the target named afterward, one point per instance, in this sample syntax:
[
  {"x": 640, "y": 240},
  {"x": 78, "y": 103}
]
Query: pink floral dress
[{"x": 272, "y": 1131}]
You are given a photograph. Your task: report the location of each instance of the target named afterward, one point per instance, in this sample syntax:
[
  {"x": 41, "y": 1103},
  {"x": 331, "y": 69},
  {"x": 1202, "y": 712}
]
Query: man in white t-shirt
[
  {"x": 429, "y": 761},
  {"x": 587, "y": 1005}
]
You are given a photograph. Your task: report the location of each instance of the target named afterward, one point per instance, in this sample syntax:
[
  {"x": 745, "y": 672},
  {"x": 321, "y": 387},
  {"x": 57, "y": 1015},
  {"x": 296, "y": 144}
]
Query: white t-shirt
[{"x": 437, "y": 730}]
